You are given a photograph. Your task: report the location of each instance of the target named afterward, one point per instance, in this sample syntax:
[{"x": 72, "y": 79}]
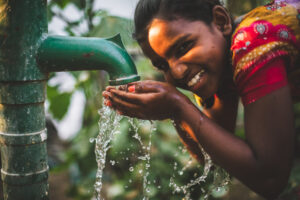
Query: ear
[{"x": 222, "y": 19}]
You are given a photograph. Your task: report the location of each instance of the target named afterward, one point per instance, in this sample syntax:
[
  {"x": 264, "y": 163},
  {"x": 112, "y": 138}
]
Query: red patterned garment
[{"x": 266, "y": 50}]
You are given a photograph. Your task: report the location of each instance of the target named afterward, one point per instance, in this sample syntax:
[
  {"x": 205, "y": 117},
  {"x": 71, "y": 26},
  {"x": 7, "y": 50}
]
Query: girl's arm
[
  {"x": 223, "y": 112},
  {"x": 263, "y": 161}
]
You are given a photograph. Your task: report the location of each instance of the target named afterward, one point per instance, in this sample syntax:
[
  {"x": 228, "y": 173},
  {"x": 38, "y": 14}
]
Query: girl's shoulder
[
  {"x": 275, "y": 23},
  {"x": 265, "y": 34}
]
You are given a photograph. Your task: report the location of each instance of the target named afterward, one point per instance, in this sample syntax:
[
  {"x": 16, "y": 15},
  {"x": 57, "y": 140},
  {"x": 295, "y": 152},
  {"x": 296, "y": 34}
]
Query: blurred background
[{"x": 73, "y": 101}]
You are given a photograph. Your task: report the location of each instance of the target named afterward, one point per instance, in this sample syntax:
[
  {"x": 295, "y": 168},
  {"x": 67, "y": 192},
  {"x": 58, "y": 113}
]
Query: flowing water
[
  {"x": 220, "y": 178},
  {"x": 109, "y": 124},
  {"x": 146, "y": 151},
  {"x": 185, "y": 189}
]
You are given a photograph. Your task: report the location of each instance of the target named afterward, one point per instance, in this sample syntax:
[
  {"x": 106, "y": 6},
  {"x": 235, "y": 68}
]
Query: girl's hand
[{"x": 146, "y": 100}]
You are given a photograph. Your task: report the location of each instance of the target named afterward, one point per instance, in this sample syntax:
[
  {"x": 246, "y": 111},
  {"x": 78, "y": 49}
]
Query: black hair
[{"x": 147, "y": 10}]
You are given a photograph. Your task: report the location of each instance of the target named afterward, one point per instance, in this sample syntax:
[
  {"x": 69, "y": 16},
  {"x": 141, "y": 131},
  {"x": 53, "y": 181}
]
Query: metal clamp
[
  {"x": 23, "y": 138},
  {"x": 24, "y": 178}
]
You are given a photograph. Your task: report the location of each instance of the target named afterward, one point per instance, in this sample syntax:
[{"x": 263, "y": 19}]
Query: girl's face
[{"x": 191, "y": 54}]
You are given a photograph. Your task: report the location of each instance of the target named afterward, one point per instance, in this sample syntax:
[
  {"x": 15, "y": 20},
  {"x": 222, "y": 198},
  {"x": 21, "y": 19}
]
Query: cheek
[
  {"x": 217, "y": 61},
  {"x": 216, "y": 51},
  {"x": 221, "y": 55},
  {"x": 169, "y": 78}
]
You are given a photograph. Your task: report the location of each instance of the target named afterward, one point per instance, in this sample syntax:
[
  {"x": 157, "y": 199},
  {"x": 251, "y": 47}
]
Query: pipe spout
[{"x": 62, "y": 53}]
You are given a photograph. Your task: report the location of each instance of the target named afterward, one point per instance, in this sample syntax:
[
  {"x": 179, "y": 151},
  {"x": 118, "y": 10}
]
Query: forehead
[
  {"x": 176, "y": 26},
  {"x": 163, "y": 33},
  {"x": 165, "y": 28}
]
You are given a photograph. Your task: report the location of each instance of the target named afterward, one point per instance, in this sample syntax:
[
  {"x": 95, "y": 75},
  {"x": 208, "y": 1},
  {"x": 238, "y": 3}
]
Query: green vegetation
[{"x": 167, "y": 153}]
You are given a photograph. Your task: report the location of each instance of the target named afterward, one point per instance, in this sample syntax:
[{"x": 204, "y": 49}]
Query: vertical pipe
[{"x": 23, "y": 135}]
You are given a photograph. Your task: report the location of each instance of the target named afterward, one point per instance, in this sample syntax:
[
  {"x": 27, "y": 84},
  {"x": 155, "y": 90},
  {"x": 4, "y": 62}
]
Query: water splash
[
  {"x": 108, "y": 126},
  {"x": 146, "y": 152},
  {"x": 220, "y": 178},
  {"x": 185, "y": 189}
]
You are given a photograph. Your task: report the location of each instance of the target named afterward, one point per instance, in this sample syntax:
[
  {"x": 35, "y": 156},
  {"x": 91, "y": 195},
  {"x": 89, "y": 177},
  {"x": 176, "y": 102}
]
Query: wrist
[{"x": 182, "y": 105}]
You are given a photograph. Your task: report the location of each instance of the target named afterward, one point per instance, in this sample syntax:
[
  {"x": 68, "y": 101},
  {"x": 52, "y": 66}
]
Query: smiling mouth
[{"x": 196, "y": 78}]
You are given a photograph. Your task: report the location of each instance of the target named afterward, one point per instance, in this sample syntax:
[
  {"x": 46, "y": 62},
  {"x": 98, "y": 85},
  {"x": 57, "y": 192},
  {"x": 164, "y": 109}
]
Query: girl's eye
[
  {"x": 161, "y": 65},
  {"x": 184, "y": 48}
]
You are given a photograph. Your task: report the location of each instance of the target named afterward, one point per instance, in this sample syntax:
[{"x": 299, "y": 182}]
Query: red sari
[{"x": 265, "y": 48}]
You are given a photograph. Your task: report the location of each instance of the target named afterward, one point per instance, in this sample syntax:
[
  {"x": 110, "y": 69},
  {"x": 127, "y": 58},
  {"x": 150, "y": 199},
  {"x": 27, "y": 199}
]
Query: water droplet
[
  {"x": 92, "y": 140},
  {"x": 108, "y": 128},
  {"x": 112, "y": 162}
]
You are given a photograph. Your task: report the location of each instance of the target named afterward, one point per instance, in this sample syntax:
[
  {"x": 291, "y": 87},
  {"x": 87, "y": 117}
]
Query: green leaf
[
  {"x": 112, "y": 25},
  {"x": 59, "y": 102},
  {"x": 51, "y": 92},
  {"x": 62, "y": 3},
  {"x": 81, "y": 4}
]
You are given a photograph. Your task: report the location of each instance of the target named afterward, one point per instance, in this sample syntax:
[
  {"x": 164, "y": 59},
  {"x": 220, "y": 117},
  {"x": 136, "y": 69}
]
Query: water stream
[
  {"x": 220, "y": 179},
  {"x": 109, "y": 125},
  {"x": 185, "y": 189},
  {"x": 146, "y": 153}
]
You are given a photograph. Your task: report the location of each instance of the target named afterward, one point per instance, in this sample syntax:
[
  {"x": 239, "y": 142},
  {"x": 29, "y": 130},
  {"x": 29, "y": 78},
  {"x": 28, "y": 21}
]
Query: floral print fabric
[{"x": 267, "y": 40}]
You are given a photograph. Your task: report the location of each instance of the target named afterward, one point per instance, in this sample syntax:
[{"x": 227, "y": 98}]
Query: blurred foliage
[
  {"x": 168, "y": 157},
  {"x": 238, "y": 8}
]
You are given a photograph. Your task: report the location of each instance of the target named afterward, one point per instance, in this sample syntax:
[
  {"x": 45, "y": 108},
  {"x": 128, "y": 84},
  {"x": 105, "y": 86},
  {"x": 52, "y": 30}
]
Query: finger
[
  {"x": 120, "y": 104},
  {"x": 108, "y": 103},
  {"x": 128, "y": 97},
  {"x": 145, "y": 86},
  {"x": 132, "y": 115},
  {"x": 108, "y": 88},
  {"x": 122, "y": 87},
  {"x": 106, "y": 94},
  {"x": 126, "y": 108},
  {"x": 129, "y": 109},
  {"x": 131, "y": 88}
]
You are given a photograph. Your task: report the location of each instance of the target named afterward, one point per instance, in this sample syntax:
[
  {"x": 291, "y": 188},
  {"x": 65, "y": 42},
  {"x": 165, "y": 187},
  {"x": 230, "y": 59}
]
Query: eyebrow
[{"x": 177, "y": 43}]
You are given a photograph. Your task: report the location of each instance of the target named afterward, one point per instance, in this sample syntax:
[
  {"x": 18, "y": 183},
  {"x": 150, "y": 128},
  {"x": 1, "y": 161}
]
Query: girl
[{"x": 198, "y": 48}]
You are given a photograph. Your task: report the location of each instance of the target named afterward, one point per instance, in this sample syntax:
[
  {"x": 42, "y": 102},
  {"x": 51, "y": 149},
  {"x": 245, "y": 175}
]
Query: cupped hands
[{"x": 150, "y": 100}]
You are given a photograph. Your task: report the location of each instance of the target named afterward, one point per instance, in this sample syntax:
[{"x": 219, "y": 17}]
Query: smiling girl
[{"x": 198, "y": 47}]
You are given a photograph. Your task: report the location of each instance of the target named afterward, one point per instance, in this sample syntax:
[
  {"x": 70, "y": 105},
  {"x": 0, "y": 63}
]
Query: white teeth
[{"x": 196, "y": 78}]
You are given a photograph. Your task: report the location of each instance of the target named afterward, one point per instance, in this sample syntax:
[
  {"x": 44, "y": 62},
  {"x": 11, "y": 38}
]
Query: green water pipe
[
  {"x": 27, "y": 55},
  {"x": 60, "y": 53}
]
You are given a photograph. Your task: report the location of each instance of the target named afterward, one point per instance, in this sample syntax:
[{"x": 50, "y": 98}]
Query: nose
[{"x": 178, "y": 70}]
